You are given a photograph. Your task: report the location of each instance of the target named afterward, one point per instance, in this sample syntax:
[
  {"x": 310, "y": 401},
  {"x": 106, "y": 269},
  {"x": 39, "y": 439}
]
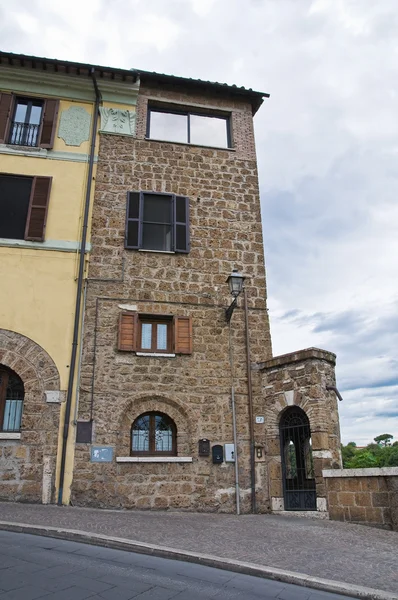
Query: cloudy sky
[{"x": 327, "y": 143}]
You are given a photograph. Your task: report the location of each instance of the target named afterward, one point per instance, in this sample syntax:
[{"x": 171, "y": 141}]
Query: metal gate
[{"x": 297, "y": 464}]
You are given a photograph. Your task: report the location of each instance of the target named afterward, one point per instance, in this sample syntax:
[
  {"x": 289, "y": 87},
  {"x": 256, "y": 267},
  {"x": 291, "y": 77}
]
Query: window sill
[
  {"x": 154, "y": 459},
  {"x": 10, "y": 435},
  {"x": 191, "y": 145},
  {"x": 156, "y": 354},
  {"x": 156, "y": 251}
]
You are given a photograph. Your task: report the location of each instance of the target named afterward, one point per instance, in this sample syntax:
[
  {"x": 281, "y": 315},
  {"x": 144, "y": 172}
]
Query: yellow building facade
[{"x": 52, "y": 114}]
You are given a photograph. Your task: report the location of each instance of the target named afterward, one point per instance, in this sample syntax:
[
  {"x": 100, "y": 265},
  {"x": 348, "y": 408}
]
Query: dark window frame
[
  {"x": 155, "y": 320},
  {"x": 188, "y": 113},
  {"x": 5, "y": 374},
  {"x": 152, "y": 433},
  {"x": 137, "y": 222}
]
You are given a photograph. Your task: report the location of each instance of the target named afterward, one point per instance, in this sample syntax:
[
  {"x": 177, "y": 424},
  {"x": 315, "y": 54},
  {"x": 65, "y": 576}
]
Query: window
[
  {"x": 158, "y": 222},
  {"x": 155, "y": 333},
  {"x": 153, "y": 433},
  {"x": 189, "y": 127},
  {"x": 28, "y": 121},
  {"x": 11, "y": 400},
  {"x": 23, "y": 207}
]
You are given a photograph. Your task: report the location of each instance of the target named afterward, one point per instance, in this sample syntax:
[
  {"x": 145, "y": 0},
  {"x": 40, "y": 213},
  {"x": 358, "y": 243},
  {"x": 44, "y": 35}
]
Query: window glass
[
  {"x": 146, "y": 336},
  {"x": 161, "y": 342},
  {"x": 26, "y": 123},
  {"x": 14, "y": 205},
  {"x": 157, "y": 209},
  {"x": 140, "y": 434},
  {"x": 156, "y": 237},
  {"x": 168, "y": 126},
  {"x": 12, "y": 396},
  {"x": 208, "y": 131}
]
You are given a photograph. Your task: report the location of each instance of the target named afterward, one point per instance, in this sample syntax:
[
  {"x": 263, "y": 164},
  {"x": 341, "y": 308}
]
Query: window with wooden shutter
[
  {"x": 158, "y": 222},
  {"x": 183, "y": 335},
  {"x": 23, "y": 207},
  {"x": 28, "y": 121},
  {"x": 155, "y": 334},
  {"x": 6, "y": 101},
  {"x": 38, "y": 208},
  {"x": 127, "y": 331}
]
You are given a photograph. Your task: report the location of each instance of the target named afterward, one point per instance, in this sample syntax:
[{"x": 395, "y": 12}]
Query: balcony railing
[
  {"x": 23, "y": 134},
  {"x": 12, "y": 415}
]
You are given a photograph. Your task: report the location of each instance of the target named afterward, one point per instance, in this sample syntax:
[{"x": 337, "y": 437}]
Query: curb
[{"x": 116, "y": 543}]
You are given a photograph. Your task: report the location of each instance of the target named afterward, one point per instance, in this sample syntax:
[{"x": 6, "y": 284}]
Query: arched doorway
[{"x": 297, "y": 464}]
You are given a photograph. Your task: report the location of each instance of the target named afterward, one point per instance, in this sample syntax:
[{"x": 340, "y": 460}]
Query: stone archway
[{"x": 28, "y": 457}]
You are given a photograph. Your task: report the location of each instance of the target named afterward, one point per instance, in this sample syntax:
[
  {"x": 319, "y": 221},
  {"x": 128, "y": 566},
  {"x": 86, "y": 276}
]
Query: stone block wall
[
  {"x": 195, "y": 389},
  {"x": 300, "y": 379},
  {"x": 29, "y": 459},
  {"x": 367, "y": 496}
]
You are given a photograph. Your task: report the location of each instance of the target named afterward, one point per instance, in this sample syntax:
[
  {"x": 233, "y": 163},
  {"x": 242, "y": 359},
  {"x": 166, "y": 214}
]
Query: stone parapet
[
  {"x": 299, "y": 356},
  {"x": 366, "y": 496}
]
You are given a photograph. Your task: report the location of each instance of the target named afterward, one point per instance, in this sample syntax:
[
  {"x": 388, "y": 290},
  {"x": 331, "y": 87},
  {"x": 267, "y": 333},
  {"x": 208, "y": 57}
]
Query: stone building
[
  {"x": 127, "y": 199},
  {"x": 163, "y": 372}
]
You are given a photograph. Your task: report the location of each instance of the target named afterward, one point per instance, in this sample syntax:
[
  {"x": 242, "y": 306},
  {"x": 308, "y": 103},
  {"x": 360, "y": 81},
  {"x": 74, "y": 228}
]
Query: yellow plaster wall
[{"x": 37, "y": 299}]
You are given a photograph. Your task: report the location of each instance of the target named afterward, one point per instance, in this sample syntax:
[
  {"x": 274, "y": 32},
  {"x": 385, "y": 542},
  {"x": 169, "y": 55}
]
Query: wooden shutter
[
  {"x": 6, "y": 102},
  {"x": 128, "y": 325},
  {"x": 38, "y": 207},
  {"x": 181, "y": 224},
  {"x": 133, "y": 220},
  {"x": 183, "y": 335},
  {"x": 48, "y": 123}
]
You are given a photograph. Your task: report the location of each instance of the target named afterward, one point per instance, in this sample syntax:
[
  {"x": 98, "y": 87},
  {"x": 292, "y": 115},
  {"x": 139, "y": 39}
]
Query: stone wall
[
  {"x": 300, "y": 379},
  {"x": 195, "y": 390},
  {"x": 367, "y": 496},
  {"x": 27, "y": 461}
]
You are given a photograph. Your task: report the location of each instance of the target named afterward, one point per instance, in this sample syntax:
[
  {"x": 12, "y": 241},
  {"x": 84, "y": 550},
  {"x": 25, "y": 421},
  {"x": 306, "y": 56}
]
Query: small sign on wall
[
  {"x": 101, "y": 454},
  {"x": 259, "y": 419}
]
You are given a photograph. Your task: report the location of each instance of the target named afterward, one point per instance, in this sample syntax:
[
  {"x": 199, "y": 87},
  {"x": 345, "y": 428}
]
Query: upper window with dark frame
[
  {"x": 23, "y": 207},
  {"x": 27, "y": 121},
  {"x": 189, "y": 127},
  {"x": 11, "y": 400},
  {"x": 153, "y": 434},
  {"x": 157, "y": 221}
]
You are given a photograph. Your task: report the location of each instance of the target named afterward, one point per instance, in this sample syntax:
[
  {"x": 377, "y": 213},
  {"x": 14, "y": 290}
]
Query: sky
[{"x": 327, "y": 147}]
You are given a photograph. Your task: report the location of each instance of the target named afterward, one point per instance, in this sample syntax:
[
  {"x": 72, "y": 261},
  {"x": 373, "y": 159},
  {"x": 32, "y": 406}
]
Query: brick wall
[
  {"x": 367, "y": 496},
  {"x": 195, "y": 390}
]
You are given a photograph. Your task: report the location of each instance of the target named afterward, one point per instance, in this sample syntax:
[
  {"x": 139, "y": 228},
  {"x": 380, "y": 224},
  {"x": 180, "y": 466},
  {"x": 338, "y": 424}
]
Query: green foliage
[
  {"x": 384, "y": 439},
  {"x": 379, "y": 454}
]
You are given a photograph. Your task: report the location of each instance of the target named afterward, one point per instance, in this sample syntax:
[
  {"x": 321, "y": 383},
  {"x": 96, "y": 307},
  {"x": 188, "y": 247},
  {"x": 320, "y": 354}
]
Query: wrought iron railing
[
  {"x": 23, "y": 134},
  {"x": 12, "y": 415}
]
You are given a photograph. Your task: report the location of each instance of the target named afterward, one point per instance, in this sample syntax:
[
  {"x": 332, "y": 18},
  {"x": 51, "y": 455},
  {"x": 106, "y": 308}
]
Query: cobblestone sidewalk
[{"x": 343, "y": 552}]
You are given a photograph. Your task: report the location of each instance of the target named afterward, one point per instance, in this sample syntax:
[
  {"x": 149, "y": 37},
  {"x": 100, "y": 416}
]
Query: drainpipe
[
  {"x": 82, "y": 257},
  {"x": 333, "y": 388},
  {"x": 231, "y": 362},
  {"x": 250, "y": 400}
]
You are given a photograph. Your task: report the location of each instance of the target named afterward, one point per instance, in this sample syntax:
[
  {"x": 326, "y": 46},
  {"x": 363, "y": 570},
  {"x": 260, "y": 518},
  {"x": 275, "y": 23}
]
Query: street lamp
[{"x": 235, "y": 282}]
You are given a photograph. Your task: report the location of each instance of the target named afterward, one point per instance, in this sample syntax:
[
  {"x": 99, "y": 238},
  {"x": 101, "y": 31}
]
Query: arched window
[
  {"x": 152, "y": 434},
  {"x": 11, "y": 400}
]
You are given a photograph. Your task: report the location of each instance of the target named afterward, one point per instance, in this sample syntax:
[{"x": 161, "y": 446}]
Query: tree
[
  {"x": 384, "y": 439},
  {"x": 348, "y": 452}
]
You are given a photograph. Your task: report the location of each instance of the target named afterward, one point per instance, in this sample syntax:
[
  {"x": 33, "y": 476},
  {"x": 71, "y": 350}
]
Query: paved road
[
  {"x": 37, "y": 567},
  {"x": 354, "y": 554}
]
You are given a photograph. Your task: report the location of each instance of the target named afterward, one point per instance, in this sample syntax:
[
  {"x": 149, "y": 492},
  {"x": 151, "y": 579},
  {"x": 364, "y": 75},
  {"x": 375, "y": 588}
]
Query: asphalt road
[{"x": 37, "y": 567}]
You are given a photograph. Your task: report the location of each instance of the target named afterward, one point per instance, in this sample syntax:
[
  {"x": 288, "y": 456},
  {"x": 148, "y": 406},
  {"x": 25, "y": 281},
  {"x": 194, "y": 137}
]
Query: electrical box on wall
[
  {"x": 217, "y": 454},
  {"x": 229, "y": 452},
  {"x": 204, "y": 447}
]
